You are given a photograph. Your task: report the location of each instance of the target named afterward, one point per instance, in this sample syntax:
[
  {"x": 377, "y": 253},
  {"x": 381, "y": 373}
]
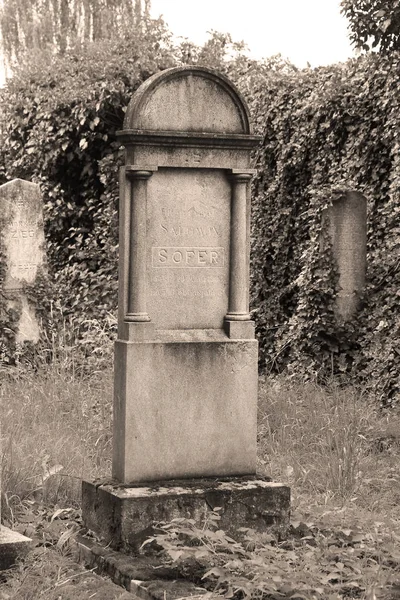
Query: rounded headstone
[{"x": 193, "y": 99}]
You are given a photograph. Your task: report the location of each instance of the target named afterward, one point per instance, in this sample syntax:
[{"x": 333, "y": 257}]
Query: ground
[{"x": 335, "y": 447}]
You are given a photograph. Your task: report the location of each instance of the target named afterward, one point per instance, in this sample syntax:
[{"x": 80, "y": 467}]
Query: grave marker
[
  {"x": 13, "y": 545},
  {"x": 22, "y": 240},
  {"x": 186, "y": 358},
  {"x": 347, "y": 226}
]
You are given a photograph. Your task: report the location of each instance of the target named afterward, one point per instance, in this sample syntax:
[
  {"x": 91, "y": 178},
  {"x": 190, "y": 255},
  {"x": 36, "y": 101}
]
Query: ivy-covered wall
[
  {"x": 59, "y": 119},
  {"x": 327, "y": 131}
]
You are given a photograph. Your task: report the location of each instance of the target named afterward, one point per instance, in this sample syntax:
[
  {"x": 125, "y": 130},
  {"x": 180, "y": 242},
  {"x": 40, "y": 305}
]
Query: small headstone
[
  {"x": 22, "y": 243},
  {"x": 347, "y": 223},
  {"x": 13, "y": 545}
]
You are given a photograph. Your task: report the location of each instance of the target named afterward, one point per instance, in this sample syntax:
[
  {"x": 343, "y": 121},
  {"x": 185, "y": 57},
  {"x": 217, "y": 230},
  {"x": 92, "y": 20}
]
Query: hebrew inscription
[{"x": 188, "y": 253}]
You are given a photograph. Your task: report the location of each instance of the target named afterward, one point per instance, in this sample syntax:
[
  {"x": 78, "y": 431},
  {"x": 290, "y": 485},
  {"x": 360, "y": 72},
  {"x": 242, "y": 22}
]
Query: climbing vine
[{"x": 327, "y": 131}]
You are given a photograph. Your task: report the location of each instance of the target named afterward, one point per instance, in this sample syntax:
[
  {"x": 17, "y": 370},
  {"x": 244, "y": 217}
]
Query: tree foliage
[
  {"x": 34, "y": 25},
  {"x": 373, "y": 23},
  {"x": 59, "y": 119}
]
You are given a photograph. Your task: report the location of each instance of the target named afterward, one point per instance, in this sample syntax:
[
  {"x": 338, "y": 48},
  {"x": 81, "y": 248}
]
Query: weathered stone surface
[
  {"x": 347, "y": 222},
  {"x": 186, "y": 359},
  {"x": 22, "y": 241},
  {"x": 142, "y": 575},
  {"x": 190, "y": 100},
  {"x": 185, "y": 409},
  {"x": 13, "y": 546},
  {"x": 124, "y": 516},
  {"x": 188, "y": 232}
]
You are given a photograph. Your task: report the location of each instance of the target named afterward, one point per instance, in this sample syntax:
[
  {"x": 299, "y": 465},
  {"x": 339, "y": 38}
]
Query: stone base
[
  {"x": 124, "y": 516},
  {"x": 144, "y": 577},
  {"x": 13, "y": 545}
]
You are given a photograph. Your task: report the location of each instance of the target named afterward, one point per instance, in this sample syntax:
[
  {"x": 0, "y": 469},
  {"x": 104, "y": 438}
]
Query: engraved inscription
[
  {"x": 181, "y": 231},
  {"x": 191, "y": 257},
  {"x": 23, "y": 270},
  {"x": 194, "y": 157},
  {"x": 196, "y": 210},
  {"x": 186, "y": 293},
  {"x": 23, "y": 233},
  {"x": 188, "y": 220}
]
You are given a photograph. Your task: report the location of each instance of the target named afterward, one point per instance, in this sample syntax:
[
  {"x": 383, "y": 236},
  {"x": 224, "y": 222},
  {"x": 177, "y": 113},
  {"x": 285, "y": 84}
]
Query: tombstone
[
  {"x": 22, "y": 242},
  {"x": 347, "y": 227},
  {"x": 13, "y": 545},
  {"x": 186, "y": 358}
]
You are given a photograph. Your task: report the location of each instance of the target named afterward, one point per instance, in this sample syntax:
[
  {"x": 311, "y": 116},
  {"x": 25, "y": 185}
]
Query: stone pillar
[
  {"x": 347, "y": 227},
  {"x": 137, "y": 312},
  {"x": 239, "y": 271},
  {"x": 237, "y": 323}
]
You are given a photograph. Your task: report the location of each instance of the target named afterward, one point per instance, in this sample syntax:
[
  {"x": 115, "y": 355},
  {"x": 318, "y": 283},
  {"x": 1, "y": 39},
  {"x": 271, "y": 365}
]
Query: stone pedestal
[
  {"x": 124, "y": 515},
  {"x": 183, "y": 407}
]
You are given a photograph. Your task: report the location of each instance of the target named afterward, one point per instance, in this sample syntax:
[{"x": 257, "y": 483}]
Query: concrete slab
[
  {"x": 143, "y": 576},
  {"x": 13, "y": 546}
]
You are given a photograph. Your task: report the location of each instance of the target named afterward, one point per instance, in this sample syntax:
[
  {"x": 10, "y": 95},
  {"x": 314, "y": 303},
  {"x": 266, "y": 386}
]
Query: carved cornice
[{"x": 134, "y": 137}]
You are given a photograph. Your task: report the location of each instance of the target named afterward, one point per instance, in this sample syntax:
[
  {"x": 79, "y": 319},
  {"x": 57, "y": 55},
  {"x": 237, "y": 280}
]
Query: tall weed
[
  {"x": 321, "y": 440},
  {"x": 56, "y": 418}
]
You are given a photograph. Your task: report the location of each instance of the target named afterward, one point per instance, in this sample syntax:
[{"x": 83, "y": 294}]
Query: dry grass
[
  {"x": 333, "y": 446},
  {"x": 329, "y": 443},
  {"x": 56, "y": 423},
  {"x": 49, "y": 423}
]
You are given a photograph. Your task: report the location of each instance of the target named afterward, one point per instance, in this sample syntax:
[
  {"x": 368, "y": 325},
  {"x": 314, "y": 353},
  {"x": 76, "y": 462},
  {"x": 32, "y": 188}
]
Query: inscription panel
[{"x": 188, "y": 224}]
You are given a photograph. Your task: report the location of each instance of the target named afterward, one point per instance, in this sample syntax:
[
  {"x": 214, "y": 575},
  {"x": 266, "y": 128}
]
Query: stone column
[
  {"x": 136, "y": 309},
  {"x": 238, "y": 307}
]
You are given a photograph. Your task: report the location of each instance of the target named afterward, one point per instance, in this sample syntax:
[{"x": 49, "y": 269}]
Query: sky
[{"x": 305, "y": 31}]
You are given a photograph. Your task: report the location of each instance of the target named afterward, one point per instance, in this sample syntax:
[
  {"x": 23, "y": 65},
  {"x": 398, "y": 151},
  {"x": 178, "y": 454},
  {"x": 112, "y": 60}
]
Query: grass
[
  {"x": 330, "y": 444},
  {"x": 56, "y": 430},
  {"x": 333, "y": 446}
]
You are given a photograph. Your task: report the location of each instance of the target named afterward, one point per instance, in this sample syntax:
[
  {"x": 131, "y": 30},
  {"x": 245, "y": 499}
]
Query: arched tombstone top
[
  {"x": 191, "y": 99},
  {"x": 17, "y": 184}
]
